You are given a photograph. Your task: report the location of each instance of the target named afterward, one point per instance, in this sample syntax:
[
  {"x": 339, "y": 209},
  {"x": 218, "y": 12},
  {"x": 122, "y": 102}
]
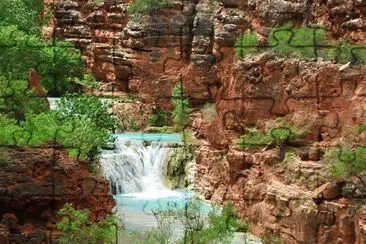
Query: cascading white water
[{"x": 134, "y": 168}]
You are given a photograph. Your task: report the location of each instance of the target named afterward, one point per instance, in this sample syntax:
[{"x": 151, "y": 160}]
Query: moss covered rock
[{"x": 177, "y": 166}]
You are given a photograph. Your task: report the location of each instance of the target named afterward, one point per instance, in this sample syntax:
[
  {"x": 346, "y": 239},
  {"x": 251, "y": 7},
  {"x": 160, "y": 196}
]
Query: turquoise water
[
  {"x": 136, "y": 210},
  {"x": 139, "y": 136},
  {"x": 176, "y": 198}
]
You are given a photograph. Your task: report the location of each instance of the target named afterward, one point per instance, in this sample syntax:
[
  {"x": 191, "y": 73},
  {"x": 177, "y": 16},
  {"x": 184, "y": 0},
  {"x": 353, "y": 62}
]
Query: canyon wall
[{"x": 195, "y": 40}]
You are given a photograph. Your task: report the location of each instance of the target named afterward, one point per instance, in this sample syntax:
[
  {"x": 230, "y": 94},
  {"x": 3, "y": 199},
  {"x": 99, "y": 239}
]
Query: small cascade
[{"x": 135, "y": 168}]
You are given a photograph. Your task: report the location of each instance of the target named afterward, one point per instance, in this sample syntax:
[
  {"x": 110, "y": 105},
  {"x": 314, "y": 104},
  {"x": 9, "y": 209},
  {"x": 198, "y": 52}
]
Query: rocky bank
[{"x": 36, "y": 182}]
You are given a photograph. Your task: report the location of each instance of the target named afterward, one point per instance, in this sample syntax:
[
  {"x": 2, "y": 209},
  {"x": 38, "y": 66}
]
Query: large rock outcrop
[{"x": 36, "y": 182}]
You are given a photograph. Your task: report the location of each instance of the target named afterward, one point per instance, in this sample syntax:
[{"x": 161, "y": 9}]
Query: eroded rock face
[
  {"x": 37, "y": 182},
  {"x": 195, "y": 39},
  {"x": 298, "y": 213},
  {"x": 316, "y": 97}
]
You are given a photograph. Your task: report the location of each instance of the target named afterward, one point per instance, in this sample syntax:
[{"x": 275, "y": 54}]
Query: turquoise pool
[{"x": 139, "y": 136}]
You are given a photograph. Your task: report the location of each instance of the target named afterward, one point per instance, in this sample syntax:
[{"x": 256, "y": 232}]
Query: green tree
[
  {"x": 76, "y": 227},
  {"x": 158, "y": 118},
  {"x": 16, "y": 100},
  {"x": 181, "y": 108},
  {"x": 26, "y": 14},
  {"x": 59, "y": 64}
]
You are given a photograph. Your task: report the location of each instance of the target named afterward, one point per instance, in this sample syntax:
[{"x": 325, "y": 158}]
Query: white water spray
[{"x": 135, "y": 169}]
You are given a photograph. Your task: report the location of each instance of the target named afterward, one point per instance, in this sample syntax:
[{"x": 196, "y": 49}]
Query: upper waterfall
[{"x": 136, "y": 167}]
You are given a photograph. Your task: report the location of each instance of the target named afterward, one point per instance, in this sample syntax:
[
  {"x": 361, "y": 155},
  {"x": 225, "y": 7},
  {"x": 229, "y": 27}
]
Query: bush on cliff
[
  {"x": 346, "y": 161},
  {"x": 76, "y": 227},
  {"x": 147, "y": 6},
  {"x": 158, "y": 118},
  {"x": 279, "y": 133}
]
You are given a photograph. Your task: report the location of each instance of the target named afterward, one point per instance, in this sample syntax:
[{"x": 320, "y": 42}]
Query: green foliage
[
  {"x": 16, "y": 100},
  {"x": 133, "y": 125},
  {"x": 77, "y": 228},
  {"x": 87, "y": 124},
  {"x": 359, "y": 129},
  {"x": 58, "y": 64},
  {"x": 86, "y": 107},
  {"x": 219, "y": 229},
  {"x": 27, "y": 15},
  {"x": 346, "y": 161},
  {"x": 147, "y": 6},
  {"x": 181, "y": 108},
  {"x": 82, "y": 124},
  {"x": 278, "y": 133},
  {"x": 246, "y": 44},
  {"x": 255, "y": 138},
  {"x": 288, "y": 40},
  {"x": 88, "y": 81},
  {"x": 158, "y": 118}
]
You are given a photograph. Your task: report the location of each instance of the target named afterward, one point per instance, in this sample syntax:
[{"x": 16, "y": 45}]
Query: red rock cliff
[
  {"x": 196, "y": 39},
  {"x": 36, "y": 183}
]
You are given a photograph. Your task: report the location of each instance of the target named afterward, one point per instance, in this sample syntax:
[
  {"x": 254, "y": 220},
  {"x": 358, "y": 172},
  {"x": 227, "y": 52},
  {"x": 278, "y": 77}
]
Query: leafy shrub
[
  {"x": 158, "y": 118},
  {"x": 255, "y": 138},
  {"x": 346, "y": 161},
  {"x": 82, "y": 124},
  {"x": 134, "y": 125},
  {"x": 77, "y": 228},
  {"x": 180, "y": 107},
  {"x": 278, "y": 133}
]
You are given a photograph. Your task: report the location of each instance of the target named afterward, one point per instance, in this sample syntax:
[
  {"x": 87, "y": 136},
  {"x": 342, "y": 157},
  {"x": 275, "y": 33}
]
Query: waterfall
[{"x": 135, "y": 168}]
